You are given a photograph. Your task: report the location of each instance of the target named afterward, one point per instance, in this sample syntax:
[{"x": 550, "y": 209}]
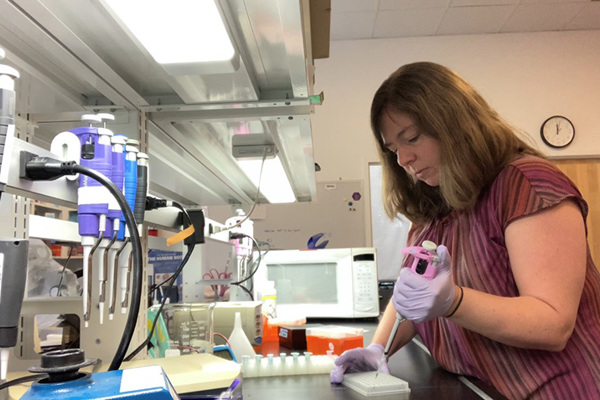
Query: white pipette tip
[
  {"x": 123, "y": 310},
  {"x": 381, "y": 361},
  {"x": 110, "y": 317},
  {"x": 101, "y": 311},
  {"x": 86, "y": 324},
  {"x": 4, "y": 363}
]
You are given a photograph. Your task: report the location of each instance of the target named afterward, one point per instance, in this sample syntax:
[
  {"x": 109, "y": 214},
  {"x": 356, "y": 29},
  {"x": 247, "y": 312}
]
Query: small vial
[
  {"x": 295, "y": 363},
  {"x": 308, "y": 366},
  {"x": 284, "y": 367},
  {"x": 270, "y": 371},
  {"x": 246, "y": 366},
  {"x": 258, "y": 364}
]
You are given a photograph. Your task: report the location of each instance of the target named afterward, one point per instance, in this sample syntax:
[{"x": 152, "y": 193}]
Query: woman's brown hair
[{"x": 475, "y": 142}]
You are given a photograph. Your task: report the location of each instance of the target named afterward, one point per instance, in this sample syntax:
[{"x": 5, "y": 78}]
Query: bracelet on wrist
[{"x": 460, "y": 299}]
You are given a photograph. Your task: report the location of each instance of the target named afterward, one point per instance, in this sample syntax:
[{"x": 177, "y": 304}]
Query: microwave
[{"x": 321, "y": 283}]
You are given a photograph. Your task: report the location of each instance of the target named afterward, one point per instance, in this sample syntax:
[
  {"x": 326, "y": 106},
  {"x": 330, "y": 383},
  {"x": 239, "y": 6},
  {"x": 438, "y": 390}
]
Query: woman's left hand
[{"x": 419, "y": 299}]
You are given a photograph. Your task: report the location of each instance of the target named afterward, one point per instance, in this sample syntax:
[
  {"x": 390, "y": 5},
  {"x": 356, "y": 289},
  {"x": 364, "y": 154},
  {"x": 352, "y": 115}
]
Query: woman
[{"x": 516, "y": 298}]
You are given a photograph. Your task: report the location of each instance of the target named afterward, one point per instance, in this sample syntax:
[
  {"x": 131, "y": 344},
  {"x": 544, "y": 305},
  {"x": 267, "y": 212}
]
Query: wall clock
[{"x": 557, "y": 131}]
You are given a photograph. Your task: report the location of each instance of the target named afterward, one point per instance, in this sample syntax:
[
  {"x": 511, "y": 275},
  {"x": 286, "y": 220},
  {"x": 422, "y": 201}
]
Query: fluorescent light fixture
[
  {"x": 184, "y": 36},
  {"x": 274, "y": 184},
  {"x": 249, "y": 150}
]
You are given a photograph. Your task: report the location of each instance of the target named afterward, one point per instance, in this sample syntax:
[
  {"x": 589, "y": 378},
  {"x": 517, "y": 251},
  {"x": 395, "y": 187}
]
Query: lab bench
[{"x": 412, "y": 363}]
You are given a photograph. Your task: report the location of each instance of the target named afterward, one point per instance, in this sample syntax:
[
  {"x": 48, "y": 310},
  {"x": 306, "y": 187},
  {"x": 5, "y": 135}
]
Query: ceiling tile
[
  {"x": 408, "y": 4},
  {"x": 554, "y": 1},
  {"x": 587, "y": 18},
  {"x": 479, "y": 3},
  {"x": 470, "y": 20},
  {"x": 352, "y": 25},
  {"x": 417, "y": 22},
  {"x": 541, "y": 17},
  {"x": 343, "y": 6},
  {"x": 404, "y": 18}
]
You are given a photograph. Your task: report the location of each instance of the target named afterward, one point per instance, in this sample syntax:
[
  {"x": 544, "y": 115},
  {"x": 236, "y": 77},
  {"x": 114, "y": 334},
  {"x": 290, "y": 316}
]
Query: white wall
[{"x": 525, "y": 77}]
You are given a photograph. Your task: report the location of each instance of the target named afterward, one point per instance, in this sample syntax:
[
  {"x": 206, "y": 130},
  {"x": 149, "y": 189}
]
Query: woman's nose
[{"x": 404, "y": 157}]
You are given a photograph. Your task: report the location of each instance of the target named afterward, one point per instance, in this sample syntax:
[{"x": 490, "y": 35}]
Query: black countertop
[{"x": 412, "y": 363}]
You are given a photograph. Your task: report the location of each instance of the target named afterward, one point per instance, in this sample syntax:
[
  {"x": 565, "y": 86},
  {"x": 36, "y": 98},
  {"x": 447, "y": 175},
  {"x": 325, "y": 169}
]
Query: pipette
[
  {"x": 425, "y": 263},
  {"x": 384, "y": 356},
  {"x": 139, "y": 211},
  {"x": 118, "y": 153},
  {"x": 13, "y": 252},
  {"x": 118, "y": 172},
  {"x": 123, "y": 256},
  {"x": 13, "y": 267},
  {"x": 92, "y": 203},
  {"x": 113, "y": 213}
]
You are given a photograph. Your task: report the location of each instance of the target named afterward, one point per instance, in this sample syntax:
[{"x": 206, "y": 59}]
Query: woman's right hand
[{"x": 359, "y": 360}]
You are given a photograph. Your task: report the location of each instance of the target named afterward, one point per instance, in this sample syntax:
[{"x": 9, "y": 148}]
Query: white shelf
[{"x": 53, "y": 229}]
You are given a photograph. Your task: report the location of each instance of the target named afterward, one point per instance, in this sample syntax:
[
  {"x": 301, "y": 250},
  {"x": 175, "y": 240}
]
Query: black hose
[{"x": 23, "y": 379}]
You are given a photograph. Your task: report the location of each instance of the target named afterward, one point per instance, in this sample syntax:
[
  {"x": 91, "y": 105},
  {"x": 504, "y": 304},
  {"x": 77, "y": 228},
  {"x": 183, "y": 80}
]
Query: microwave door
[{"x": 318, "y": 289}]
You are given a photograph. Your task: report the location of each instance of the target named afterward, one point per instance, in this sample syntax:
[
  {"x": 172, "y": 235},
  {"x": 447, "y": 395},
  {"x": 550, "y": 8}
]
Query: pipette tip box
[{"x": 374, "y": 384}]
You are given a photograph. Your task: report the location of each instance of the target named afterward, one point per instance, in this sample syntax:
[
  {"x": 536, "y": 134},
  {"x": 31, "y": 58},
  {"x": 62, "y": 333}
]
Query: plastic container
[
  {"x": 271, "y": 326},
  {"x": 337, "y": 339},
  {"x": 187, "y": 327},
  {"x": 268, "y": 295}
]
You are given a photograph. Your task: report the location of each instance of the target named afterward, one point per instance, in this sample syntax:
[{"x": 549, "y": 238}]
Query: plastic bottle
[
  {"x": 268, "y": 295},
  {"x": 240, "y": 345}
]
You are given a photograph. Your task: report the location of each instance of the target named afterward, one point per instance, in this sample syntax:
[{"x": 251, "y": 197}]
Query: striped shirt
[{"x": 475, "y": 241}]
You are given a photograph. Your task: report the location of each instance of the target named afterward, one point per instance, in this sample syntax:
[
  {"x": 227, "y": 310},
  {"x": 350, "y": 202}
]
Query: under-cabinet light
[
  {"x": 249, "y": 151},
  {"x": 184, "y": 36},
  {"x": 274, "y": 184}
]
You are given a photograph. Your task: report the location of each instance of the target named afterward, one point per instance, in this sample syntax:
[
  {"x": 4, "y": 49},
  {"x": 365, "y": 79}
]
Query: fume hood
[{"x": 76, "y": 57}]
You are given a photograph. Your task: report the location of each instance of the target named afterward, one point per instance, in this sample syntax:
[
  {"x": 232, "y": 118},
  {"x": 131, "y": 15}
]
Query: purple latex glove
[
  {"x": 420, "y": 299},
  {"x": 358, "y": 360}
]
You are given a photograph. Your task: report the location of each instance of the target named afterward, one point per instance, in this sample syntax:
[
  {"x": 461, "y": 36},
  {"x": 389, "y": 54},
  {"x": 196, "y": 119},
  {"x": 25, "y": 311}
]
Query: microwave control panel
[{"x": 366, "y": 297}]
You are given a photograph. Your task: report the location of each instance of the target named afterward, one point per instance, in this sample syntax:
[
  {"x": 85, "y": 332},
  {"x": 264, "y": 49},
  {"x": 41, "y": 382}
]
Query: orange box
[
  {"x": 59, "y": 251},
  {"x": 271, "y": 326},
  {"x": 337, "y": 339}
]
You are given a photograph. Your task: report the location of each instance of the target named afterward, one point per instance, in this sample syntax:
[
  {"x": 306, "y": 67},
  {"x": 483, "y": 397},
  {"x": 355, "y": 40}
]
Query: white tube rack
[{"x": 283, "y": 365}]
